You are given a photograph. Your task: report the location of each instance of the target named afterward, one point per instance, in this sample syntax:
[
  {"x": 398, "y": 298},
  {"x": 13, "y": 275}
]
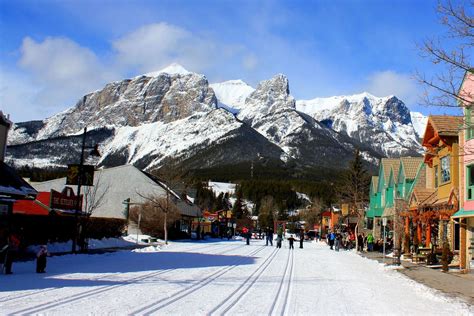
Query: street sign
[
  {"x": 235, "y": 225},
  {"x": 384, "y": 221},
  {"x": 73, "y": 175},
  {"x": 65, "y": 200}
]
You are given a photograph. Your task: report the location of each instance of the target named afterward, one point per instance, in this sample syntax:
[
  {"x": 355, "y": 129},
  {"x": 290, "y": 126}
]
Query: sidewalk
[{"x": 452, "y": 284}]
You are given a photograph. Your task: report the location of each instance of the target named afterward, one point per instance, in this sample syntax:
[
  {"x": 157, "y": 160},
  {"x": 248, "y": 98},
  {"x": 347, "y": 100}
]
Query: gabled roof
[
  {"x": 424, "y": 196},
  {"x": 445, "y": 125},
  {"x": 13, "y": 186},
  {"x": 388, "y": 164},
  {"x": 374, "y": 184},
  {"x": 411, "y": 166}
]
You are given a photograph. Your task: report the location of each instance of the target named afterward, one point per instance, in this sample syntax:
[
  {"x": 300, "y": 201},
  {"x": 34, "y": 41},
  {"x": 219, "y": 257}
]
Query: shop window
[
  {"x": 470, "y": 182},
  {"x": 469, "y": 127},
  {"x": 445, "y": 169}
]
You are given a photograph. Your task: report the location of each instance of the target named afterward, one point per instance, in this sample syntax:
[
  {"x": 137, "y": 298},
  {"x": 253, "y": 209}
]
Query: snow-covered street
[{"x": 228, "y": 277}]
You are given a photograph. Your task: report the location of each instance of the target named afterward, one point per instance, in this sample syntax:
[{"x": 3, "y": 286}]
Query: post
[
  {"x": 384, "y": 222},
  {"x": 79, "y": 184},
  {"x": 138, "y": 228}
]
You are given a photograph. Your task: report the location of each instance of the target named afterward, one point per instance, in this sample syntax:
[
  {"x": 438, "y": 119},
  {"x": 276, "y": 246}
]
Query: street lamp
[{"x": 94, "y": 152}]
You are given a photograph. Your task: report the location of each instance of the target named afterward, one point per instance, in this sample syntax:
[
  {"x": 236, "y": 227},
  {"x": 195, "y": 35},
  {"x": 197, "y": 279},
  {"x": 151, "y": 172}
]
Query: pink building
[{"x": 464, "y": 218}]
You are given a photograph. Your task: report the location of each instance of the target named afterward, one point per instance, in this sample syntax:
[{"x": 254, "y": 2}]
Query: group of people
[
  {"x": 346, "y": 241},
  {"x": 338, "y": 240},
  {"x": 9, "y": 253},
  {"x": 269, "y": 233}
]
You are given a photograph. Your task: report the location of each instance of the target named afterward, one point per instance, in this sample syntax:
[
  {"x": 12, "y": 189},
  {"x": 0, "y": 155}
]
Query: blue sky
[{"x": 53, "y": 52}]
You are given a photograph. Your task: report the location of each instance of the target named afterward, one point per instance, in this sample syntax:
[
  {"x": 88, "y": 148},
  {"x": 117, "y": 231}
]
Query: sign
[
  {"x": 87, "y": 178},
  {"x": 235, "y": 225},
  {"x": 65, "y": 200},
  {"x": 384, "y": 221}
]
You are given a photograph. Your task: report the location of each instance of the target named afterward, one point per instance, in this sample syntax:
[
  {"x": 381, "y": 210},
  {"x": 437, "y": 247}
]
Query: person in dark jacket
[
  {"x": 360, "y": 242},
  {"x": 301, "y": 239},
  {"x": 11, "y": 252},
  {"x": 291, "y": 240},
  {"x": 269, "y": 237},
  {"x": 41, "y": 259}
]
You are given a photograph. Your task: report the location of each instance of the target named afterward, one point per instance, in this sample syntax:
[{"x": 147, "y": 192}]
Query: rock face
[
  {"x": 384, "y": 123},
  {"x": 172, "y": 117}
]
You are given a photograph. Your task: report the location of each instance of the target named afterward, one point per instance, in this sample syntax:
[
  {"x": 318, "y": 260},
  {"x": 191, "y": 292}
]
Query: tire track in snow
[
  {"x": 180, "y": 294},
  {"x": 42, "y": 307},
  {"x": 241, "y": 291},
  {"x": 21, "y": 296},
  {"x": 283, "y": 301}
]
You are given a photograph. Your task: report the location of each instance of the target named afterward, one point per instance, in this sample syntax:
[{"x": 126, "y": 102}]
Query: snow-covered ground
[{"x": 214, "y": 278}]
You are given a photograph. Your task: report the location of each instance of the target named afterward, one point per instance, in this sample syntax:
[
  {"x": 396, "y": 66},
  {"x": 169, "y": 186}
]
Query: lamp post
[{"x": 79, "y": 186}]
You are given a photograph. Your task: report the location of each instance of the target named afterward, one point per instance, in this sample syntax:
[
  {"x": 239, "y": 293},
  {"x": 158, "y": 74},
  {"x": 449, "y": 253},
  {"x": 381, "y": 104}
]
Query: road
[{"x": 217, "y": 278}]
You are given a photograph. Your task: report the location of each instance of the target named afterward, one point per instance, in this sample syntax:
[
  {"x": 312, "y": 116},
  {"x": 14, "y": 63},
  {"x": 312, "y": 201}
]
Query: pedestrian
[
  {"x": 229, "y": 234},
  {"x": 301, "y": 239},
  {"x": 279, "y": 240},
  {"x": 11, "y": 252},
  {"x": 269, "y": 236},
  {"x": 246, "y": 235},
  {"x": 291, "y": 241},
  {"x": 41, "y": 259},
  {"x": 332, "y": 237},
  {"x": 337, "y": 241},
  {"x": 360, "y": 242},
  {"x": 370, "y": 242}
]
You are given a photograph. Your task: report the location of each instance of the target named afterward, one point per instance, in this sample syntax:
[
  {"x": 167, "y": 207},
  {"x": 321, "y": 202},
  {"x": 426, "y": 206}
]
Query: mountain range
[{"x": 174, "y": 117}]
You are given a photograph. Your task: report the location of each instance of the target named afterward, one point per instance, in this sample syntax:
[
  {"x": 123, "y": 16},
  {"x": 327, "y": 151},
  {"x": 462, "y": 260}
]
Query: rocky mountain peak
[{"x": 173, "y": 69}]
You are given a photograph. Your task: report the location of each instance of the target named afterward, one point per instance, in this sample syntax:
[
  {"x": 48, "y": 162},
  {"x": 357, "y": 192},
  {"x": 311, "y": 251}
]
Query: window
[
  {"x": 436, "y": 176},
  {"x": 445, "y": 169},
  {"x": 468, "y": 121},
  {"x": 470, "y": 182}
]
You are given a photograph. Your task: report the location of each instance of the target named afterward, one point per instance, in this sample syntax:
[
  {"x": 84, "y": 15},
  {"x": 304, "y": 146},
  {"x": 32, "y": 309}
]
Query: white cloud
[
  {"x": 54, "y": 73},
  {"x": 389, "y": 82},
  {"x": 155, "y": 46}
]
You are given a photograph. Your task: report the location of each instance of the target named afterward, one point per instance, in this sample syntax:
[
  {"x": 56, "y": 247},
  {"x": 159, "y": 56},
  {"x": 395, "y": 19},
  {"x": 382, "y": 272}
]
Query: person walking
[
  {"x": 370, "y": 242},
  {"x": 11, "y": 252},
  {"x": 301, "y": 239},
  {"x": 337, "y": 241},
  {"x": 291, "y": 240},
  {"x": 332, "y": 237},
  {"x": 41, "y": 259},
  {"x": 360, "y": 242},
  {"x": 229, "y": 234},
  {"x": 246, "y": 234},
  {"x": 269, "y": 236}
]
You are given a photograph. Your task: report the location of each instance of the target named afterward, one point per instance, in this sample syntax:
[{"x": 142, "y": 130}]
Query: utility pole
[{"x": 79, "y": 200}]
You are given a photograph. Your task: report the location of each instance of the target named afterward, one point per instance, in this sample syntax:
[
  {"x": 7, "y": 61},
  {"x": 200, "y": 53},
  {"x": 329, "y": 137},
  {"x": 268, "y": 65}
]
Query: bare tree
[
  {"x": 157, "y": 211},
  {"x": 94, "y": 197},
  {"x": 312, "y": 215},
  {"x": 450, "y": 52},
  {"x": 354, "y": 189},
  {"x": 268, "y": 212}
]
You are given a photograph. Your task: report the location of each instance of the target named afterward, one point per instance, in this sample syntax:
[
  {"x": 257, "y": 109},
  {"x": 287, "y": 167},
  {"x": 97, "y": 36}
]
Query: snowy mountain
[
  {"x": 175, "y": 117},
  {"x": 419, "y": 123},
  {"x": 231, "y": 94},
  {"x": 384, "y": 123}
]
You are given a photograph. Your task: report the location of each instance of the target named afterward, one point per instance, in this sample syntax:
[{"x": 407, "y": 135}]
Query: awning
[
  {"x": 374, "y": 212},
  {"x": 463, "y": 213}
]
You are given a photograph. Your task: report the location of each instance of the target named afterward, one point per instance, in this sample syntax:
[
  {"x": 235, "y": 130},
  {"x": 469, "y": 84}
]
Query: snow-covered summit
[
  {"x": 231, "y": 94},
  {"x": 383, "y": 122},
  {"x": 173, "y": 69},
  {"x": 419, "y": 122},
  {"x": 318, "y": 104}
]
